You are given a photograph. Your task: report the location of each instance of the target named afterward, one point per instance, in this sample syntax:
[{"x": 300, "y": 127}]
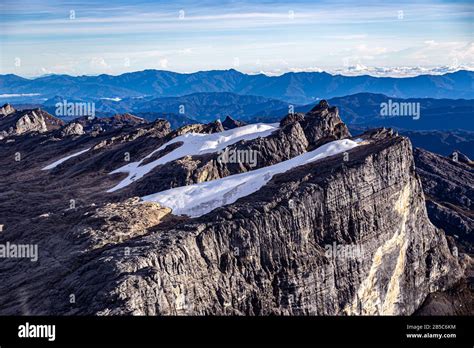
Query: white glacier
[
  {"x": 193, "y": 144},
  {"x": 199, "y": 199}
]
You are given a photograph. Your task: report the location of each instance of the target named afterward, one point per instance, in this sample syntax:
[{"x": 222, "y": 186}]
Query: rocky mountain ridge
[
  {"x": 14, "y": 122},
  {"x": 266, "y": 253}
]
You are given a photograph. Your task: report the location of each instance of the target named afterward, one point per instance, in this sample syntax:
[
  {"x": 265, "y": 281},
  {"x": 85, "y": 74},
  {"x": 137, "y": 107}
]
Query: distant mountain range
[
  {"x": 297, "y": 88},
  {"x": 362, "y": 109},
  {"x": 440, "y": 142},
  {"x": 444, "y": 125},
  {"x": 203, "y": 107},
  {"x": 365, "y": 109}
]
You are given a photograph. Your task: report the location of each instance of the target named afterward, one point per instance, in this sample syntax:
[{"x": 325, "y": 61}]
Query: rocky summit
[
  {"x": 230, "y": 123},
  {"x": 13, "y": 122},
  {"x": 324, "y": 223}
]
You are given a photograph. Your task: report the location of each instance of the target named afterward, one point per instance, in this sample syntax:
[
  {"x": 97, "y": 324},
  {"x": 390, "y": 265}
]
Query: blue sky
[{"x": 93, "y": 37}]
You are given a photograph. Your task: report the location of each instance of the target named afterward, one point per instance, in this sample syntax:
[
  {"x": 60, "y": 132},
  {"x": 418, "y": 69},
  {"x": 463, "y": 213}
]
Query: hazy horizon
[{"x": 370, "y": 71}]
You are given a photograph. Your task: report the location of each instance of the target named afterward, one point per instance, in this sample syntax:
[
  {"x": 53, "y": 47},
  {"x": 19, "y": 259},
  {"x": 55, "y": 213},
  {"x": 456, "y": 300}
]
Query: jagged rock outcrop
[
  {"x": 208, "y": 128},
  {"x": 292, "y": 118},
  {"x": 460, "y": 157},
  {"x": 27, "y": 121},
  {"x": 95, "y": 125},
  {"x": 6, "y": 110},
  {"x": 230, "y": 123},
  {"x": 158, "y": 129},
  {"x": 72, "y": 129},
  {"x": 322, "y": 124}
]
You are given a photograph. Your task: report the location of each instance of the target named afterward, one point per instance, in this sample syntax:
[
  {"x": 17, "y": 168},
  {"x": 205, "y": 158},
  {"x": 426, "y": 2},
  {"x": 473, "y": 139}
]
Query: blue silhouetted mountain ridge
[{"x": 297, "y": 88}]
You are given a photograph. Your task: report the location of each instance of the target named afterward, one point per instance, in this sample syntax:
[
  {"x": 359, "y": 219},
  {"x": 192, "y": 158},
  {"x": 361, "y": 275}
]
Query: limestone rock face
[
  {"x": 200, "y": 128},
  {"x": 292, "y": 118},
  {"x": 457, "y": 300},
  {"x": 250, "y": 258},
  {"x": 117, "y": 222}
]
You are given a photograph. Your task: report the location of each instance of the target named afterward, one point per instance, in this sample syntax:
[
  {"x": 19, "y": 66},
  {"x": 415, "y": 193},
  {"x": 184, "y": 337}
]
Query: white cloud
[
  {"x": 99, "y": 62},
  {"x": 164, "y": 63}
]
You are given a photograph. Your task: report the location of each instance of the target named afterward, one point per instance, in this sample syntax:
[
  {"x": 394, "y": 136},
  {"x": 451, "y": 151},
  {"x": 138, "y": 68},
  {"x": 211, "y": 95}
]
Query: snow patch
[
  {"x": 58, "y": 162},
  {"x": 193, "y": 144},
  {"x": 115, "y": 99},
  {"x": 199, "y": 199}
]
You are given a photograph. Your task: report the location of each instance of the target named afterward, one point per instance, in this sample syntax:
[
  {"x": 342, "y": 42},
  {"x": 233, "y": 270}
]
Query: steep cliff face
[
  {"x": 449, "y": 190},
  {"x": 344, "y": 235}
]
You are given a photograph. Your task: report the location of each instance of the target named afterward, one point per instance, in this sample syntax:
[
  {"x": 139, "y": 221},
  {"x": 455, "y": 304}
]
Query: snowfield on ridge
[
  {"x": 199, "y": 199},
  {"x": 193, "y": 144}
]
